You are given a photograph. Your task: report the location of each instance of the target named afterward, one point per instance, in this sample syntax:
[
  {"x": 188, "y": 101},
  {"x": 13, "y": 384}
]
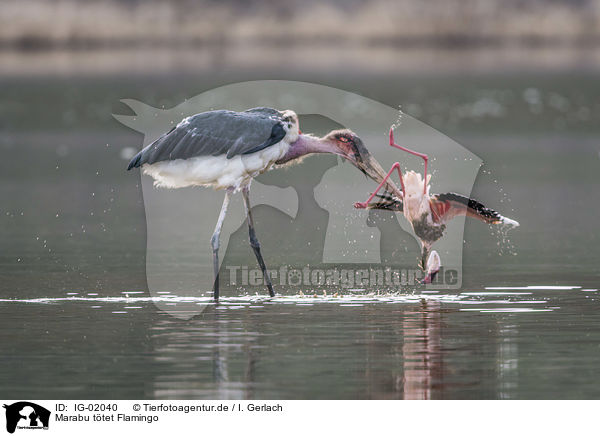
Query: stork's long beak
[{"x": 369, "y": 165}]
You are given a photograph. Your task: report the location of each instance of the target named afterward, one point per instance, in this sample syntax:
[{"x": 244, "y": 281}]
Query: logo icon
[{"x": 26, "y": 415}]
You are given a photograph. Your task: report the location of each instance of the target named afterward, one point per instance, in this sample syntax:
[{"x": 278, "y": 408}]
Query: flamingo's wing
[
  {"x": 387, "y": 201},
  {"x": 444, "y": 207}
]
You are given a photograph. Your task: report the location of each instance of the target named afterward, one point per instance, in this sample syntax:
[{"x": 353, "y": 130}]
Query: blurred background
[
  {"x": 516, "y": 82},
  {"x": 151, "y": 37}
]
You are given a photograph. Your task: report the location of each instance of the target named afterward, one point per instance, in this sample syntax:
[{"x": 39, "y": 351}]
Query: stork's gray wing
[{"x": 215, "y": 133}]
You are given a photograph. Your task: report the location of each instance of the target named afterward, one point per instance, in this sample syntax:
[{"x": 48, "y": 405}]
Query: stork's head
[
  {"x": 347, "y": 144},
  {"x": 291, "y": 124}
]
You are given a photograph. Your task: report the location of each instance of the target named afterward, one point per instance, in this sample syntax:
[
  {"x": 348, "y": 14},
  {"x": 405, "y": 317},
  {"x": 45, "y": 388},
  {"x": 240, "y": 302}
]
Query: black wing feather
[
  {"x": 387, "y": 202},
  {"x": 487, "y": 214}
]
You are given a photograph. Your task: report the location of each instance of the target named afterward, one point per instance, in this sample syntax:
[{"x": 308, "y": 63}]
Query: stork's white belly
[{"x": 216, "y": 171}]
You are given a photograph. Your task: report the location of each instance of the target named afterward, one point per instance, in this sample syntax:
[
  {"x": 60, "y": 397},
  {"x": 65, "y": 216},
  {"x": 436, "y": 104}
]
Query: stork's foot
[
  {"x": 269, "y": 285},
  {"x": 215, "y": 243},
  {"x": 359, "y": 205}
]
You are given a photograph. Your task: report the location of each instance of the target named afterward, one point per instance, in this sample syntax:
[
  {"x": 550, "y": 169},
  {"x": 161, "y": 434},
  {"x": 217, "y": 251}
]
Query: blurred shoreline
[
  {"x": 342, "y": 37},
  {"x": 93, "y": 24},
  {"x": 277, "y": 61}
]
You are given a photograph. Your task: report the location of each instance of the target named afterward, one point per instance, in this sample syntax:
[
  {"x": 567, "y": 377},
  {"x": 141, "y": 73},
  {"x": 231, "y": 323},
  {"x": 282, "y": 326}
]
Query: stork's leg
[
  {"x": 254, "y": 240},
  {"x": 408, "y": 150},
  {"x": 214, "y": 242}
]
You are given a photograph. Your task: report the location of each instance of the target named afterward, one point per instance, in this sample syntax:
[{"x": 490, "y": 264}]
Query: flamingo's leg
[
  {"x": 396, "y": 166},
  {"x": 416, "y": 153}
]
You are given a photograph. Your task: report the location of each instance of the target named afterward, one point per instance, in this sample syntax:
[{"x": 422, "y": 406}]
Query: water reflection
[
  {"x": 211, "y": 357},
  {"x": 226, "y": 353},
  {"x": 350, "y": 347},
  {"x": 422, "y": 352},
  {"x": 508, "y": 362}
]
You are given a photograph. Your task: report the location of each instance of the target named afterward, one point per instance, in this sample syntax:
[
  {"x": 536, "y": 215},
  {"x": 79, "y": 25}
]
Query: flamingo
[{"x": 428, "y": 213}]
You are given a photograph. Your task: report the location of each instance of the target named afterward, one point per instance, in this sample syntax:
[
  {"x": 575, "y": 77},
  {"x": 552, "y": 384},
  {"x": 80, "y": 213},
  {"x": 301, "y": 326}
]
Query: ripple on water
[
  {"x": 534, "y": 287},
  {"x": 485, "y": 294},
  {"x": 507, "y": 310},
  {"x": 503, "y": 299},
  {"x": 244, "y": 301}
]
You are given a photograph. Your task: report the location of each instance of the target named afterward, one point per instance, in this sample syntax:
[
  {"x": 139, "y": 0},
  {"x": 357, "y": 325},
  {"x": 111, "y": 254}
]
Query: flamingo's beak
[{"x": 429, "y": 278}]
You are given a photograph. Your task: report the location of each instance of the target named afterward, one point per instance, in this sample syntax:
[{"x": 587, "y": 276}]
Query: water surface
[{"x": 77, "y": 321}]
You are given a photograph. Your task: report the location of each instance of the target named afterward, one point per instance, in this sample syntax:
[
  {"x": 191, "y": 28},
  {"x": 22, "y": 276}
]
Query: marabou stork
[
  {"x": 428, "y": 213},
  {"x": 226, "y": 150}
]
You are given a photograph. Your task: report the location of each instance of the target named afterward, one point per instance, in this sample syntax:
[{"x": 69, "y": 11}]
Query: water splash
[
  {"x": 505, "y": 245},
  {"x": 398, "y": 121},
  {"x": 245, "y": 300},
  {"x": 493, "y": 300}
]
